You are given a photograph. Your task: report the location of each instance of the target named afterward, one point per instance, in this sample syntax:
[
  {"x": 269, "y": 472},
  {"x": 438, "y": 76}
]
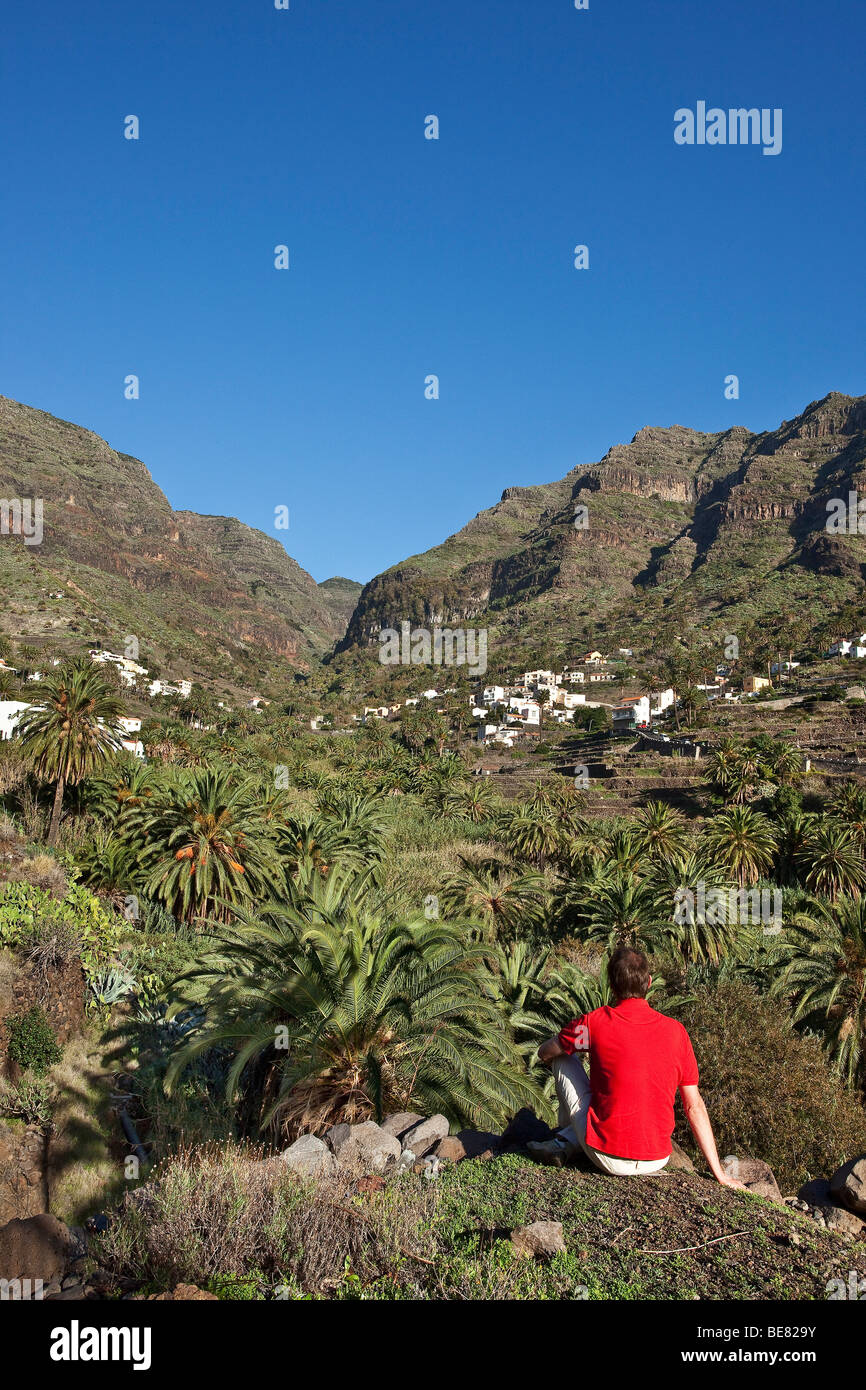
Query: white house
[
  {"x": 493, "y": 694},
  {"x": 527, "y": 710},
  {"x": 662, "y": 700},
  {"x": 430, "y": 695},
  {"x": 840, "y": 648},
  {"x": 571, "y": 699},
  {"x": 634, "y": 710},
  {"x": 536, "y": 679},
  {"x": 126, "y": 669},
  {"x": 10, "y": 713}
]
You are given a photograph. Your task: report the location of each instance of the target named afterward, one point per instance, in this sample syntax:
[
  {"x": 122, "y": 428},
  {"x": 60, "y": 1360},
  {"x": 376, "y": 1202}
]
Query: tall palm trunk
[{"x": 54, "y": 827}]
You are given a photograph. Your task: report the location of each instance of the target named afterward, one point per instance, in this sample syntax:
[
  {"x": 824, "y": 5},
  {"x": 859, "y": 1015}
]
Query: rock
[
  {"x": 679, "y": 1161},
  {"x": 309, "y": 1157},
  {"x": 336, "y": 1137},
  {"x": 525, "y": 1126},
  {"x": 450, "y": 1149},
  {"x": 38, "y": 1247},
  {"x": 848, "y": 1185},
  {"x": 369, "y": 1150},
  {"x": 23, "y": 1183},
  {"x": 70, "y": 1295},
  {"x": 423, "y": 1137},
  {"x": 541, "y": 1238},
  {"x": 399, "y": 1124},
  {"x": 845, "y": 1222},
  {"x": 183, "y": 1293},
  {"x": 756, "y": 1174},
  {"x": 814, "y": 1193}
]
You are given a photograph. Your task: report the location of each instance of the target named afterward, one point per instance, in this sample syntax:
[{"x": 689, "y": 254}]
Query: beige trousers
[{"x": 575, "y": 1097}]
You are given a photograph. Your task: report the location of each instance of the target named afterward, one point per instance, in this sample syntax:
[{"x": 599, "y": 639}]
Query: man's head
[{"x": 629, "y": 974}]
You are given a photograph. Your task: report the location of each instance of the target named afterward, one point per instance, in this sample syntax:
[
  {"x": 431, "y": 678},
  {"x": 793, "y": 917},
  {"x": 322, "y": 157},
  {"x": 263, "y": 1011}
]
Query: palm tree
[
  {"x": 832, "y": 860},
  {"x": 487, "y": 891},
  {"x": 207, "y": 846},
  {"x": 532, "y": 833},
  {"x": 849, "y": 804},
  {"x": 661, "y": 832},
  {"x": 73, "y": 731},
  {"x": 741, "y": 840},
  {"x": 620, "y": 911},
  {"x": 475, "y": 802},
  {"x": 337, "y": 1015},
  {"x": 826, "y": 975}
]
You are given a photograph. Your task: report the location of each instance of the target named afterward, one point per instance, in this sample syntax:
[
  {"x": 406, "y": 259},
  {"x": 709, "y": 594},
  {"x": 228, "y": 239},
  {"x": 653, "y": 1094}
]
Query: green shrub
[
  {"x": 32, "y": 1042},
  {"x": 769, "y": 1090}
]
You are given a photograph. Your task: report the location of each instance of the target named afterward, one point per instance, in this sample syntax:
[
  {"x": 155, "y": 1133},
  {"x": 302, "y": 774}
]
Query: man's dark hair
[{"x": 629, "y": 973}]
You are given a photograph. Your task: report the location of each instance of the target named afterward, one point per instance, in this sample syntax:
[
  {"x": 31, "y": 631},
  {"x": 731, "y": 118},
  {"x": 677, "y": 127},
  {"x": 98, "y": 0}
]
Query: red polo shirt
[{"x": 637, "y": 1060}]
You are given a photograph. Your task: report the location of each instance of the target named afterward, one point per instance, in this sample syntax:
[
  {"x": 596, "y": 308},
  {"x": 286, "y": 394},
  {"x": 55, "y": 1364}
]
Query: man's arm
[
  {"x": 698, "y": 1118},
  {"x": 576, "y": 1036},
  {"x": 550, "y": 1049}
]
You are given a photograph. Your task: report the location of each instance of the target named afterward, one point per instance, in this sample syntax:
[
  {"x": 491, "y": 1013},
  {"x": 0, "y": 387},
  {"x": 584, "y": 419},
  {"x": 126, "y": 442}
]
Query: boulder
[
  {"x": 848, "y": 1185},
  {"x": 541, "y": 1238},
  {"x": 369, "y": 1150},
  {"x": 525, "y": 1126},
  {"x": 756, "y": 1174},
  {"x": 423, "y": 1137},
  {"x": 309, "y": 1157},
  {"x": 336, "y": 1137},
  {"x": 399, "y": 1124},
  {"x": 450, "y": 1149},
  {"x": 815, "y": 1193},
  {"x": 183, "y": 1293},
  {"x": 469, "y": 1143},
  {"x": 679, "y": 1161},
  {"x": 845, "y": 1222},
  {"x": 37, "y": 1247}
]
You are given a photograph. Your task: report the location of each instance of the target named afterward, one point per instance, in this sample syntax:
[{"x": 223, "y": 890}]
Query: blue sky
[{"x": 305, "y": 388}]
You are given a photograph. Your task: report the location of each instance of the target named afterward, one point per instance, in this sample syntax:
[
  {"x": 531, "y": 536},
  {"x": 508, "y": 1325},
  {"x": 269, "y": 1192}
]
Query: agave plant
[{"x": 111, "y": 986}]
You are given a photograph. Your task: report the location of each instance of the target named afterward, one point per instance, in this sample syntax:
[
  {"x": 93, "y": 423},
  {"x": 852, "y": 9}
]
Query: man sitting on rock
[{"x": 622, "y": 1114}]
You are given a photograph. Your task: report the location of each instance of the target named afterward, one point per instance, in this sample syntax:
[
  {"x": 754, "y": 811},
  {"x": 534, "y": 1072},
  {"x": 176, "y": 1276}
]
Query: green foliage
[
  {"x": 32, "y": 1041},
  {"x": 769, "y": 1090},
  {"x": 26, "y": 910}
]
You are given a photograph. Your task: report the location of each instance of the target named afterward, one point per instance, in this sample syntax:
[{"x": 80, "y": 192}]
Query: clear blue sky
[{"x": 408, "y": 257}]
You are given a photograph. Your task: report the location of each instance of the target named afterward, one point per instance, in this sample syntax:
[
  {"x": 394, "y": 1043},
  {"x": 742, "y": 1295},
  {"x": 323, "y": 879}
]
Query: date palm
[
  {"x": 742, "y": 841},
  {"x": 532, "y": 833},
  {"x": 831, "y": 860},
  {"x": 488, "y": 892},
  {"x": 661, "y": 832},
  {"x": 826, "y": 976},
  {"x": 73, "y": 730},
  {"x": 206, "y": 846}
]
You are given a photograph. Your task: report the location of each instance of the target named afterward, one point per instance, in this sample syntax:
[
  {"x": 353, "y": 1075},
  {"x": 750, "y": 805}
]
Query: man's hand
[{"x": 731, "y": 1182}]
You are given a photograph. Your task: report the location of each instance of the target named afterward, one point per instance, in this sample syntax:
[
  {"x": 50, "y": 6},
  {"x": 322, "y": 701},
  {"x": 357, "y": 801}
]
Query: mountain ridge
[
  {"x": 722, "y": 529},
  {"x": 112, "y": 539}
]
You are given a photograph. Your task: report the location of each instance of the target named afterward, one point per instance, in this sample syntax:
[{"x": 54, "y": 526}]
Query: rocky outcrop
[
  {"x": 23, "y": 1183},
  {"x": 848, "y": 1185},
  {"x": 40, "y": 1247}
]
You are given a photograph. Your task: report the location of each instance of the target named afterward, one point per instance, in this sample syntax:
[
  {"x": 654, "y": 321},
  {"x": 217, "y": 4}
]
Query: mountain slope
[
  {"x": 202, "y": 591},
  {"x": 724, "y": 531}
]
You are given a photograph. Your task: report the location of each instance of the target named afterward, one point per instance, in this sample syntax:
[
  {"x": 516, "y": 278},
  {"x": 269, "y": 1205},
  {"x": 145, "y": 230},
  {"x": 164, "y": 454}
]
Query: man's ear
[{"x": 650, "y": 985}]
